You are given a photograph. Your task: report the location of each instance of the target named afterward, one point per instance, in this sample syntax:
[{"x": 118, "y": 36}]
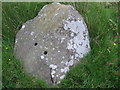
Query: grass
[{"x": 98, "y": 69}]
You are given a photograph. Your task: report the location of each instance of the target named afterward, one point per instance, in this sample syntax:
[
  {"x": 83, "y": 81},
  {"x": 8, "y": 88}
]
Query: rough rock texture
[{"x": 56, "y": 39}]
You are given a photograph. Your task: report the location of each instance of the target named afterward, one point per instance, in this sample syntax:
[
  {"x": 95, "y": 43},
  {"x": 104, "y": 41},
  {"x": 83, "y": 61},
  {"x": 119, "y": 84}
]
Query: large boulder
[{"x": 48, "y": 45}]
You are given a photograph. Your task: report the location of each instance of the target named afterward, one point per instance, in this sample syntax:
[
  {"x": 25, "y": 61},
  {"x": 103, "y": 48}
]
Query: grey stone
[{"x": 51, "y": 43}]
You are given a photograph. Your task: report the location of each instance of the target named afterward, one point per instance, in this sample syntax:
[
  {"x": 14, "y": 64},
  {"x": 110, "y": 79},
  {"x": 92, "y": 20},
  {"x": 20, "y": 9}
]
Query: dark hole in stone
[
  {"x": 36, "y": 44},
  {"x": 45, "y": 52}
]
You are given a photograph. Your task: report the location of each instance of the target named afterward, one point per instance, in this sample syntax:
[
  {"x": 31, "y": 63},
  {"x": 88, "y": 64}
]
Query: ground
[{"x": 98, "y": 69}]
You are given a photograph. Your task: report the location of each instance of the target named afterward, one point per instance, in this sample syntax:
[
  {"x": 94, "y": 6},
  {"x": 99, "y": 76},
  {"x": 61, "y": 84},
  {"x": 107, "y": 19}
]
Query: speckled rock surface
[{"x": 51, "y": 43}]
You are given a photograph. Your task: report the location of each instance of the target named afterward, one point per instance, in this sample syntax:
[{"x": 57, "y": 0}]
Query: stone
[{"x": 52, "y": 42}]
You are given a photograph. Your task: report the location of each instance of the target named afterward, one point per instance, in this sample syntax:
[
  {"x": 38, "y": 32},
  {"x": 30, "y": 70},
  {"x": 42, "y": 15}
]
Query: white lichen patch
[
  {"x": 62, "y": 70},
  {"x": 62, "y": 77},
  {"x": 53, "y": 72},
  {"x": 58, "y": 8},
  {"x": 62, "y": 62},
  {"x": 57, "y": 75},
  {"x": 58, "y": 82},
  {"x": 63, "y": 57},
  {"x": 70, "y": 63},
  {"x": 26, "y": 32},
  {"x": 65, "y": 69},
  {"x": 40, "y": 46},
  {"x": 52, "y": 66},
  {"x": 74, "y": 43},
  {"x": 32, "y": 33},
  {"x": 52, "y": 75},
  {"x": 39, "y": 17},
  {"x": 72, "y": 34},
  {"x": 58, "y": 50},
  {"x": 46, "y": 58},
  {"x": 72, "y": 57},
  {"x": 43, "y": 15},
  {"x": 56, "y": 14},
  {"x": 16, "y": 40},
  {"x": 51, "y": 43},
  {"x": 56, "y": 3},
  {"x": 53, "y": 48},
  {"x": 23, "y": 26},
  {"x": 66, "y": 63},
  {"x": 42, "y": 57},
  {"x": 46, "y": 47}
]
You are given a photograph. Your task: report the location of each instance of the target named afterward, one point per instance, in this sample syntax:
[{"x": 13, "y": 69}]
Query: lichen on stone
[{"x": 51, "y": 43}]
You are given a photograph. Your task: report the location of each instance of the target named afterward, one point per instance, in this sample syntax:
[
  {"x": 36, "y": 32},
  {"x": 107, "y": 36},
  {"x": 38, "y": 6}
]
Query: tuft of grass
[{"x": 97, "y": 70}]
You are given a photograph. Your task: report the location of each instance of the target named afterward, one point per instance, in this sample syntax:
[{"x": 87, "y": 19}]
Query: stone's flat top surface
[{"x": 51, "y": 43}]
